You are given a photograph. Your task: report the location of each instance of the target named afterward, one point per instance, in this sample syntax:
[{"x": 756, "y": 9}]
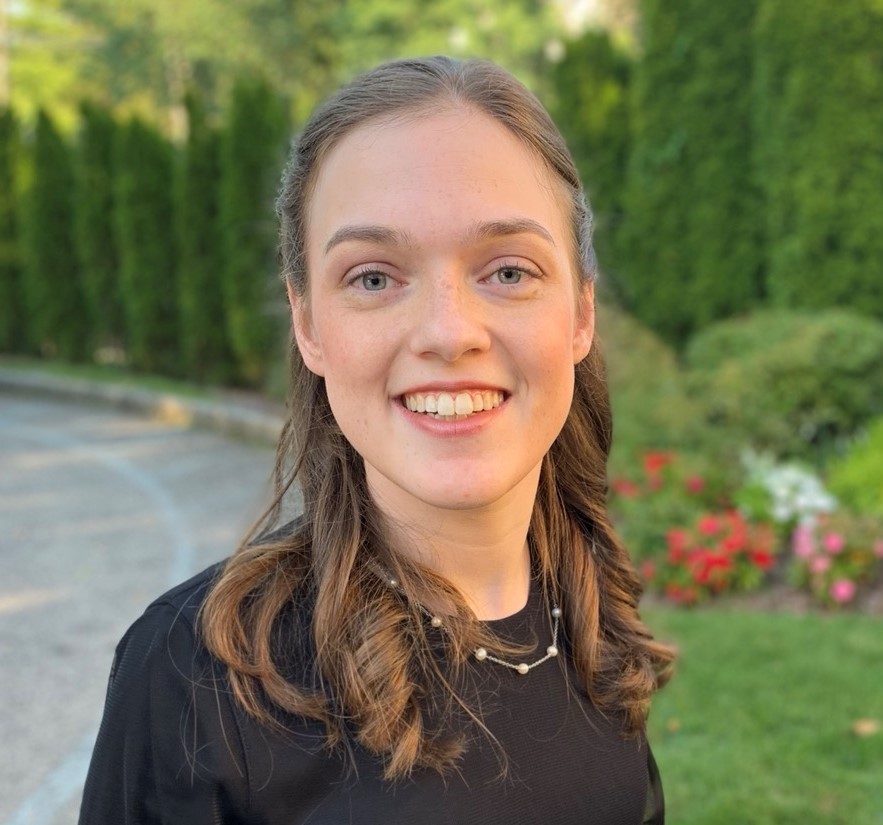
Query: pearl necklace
[{"x": 481, "y": 654}]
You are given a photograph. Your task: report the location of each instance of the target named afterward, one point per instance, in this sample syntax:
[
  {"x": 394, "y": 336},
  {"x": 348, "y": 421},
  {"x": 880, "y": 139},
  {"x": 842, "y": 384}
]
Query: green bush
[
  {"x": 204, "y": 346},
  {"x": 12, "y": 313},
  {"x": 857, "y": 478},
  {"x": 819, "y": 118},
  {"x": 252, "y": 155},
  {"x": 95, "y": 237},
  {"x": 690, "y": 246},
  {"x": 143, "y": 197},
  {"x": 793, "y": 384},
  {"x": 57, "y": 321}
]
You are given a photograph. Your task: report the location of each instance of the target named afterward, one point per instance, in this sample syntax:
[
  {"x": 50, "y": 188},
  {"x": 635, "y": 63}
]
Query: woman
[{"x": 449, "y": 633}]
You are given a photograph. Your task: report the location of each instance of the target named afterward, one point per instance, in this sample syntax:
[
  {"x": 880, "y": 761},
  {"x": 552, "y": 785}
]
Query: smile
[{"x": 447, "y": 406}]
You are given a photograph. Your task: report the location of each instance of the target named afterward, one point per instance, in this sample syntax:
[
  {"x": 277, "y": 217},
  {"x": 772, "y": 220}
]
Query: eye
[
  {"x": 372, "y": 281},
  {"x": 509, "y": 275}
]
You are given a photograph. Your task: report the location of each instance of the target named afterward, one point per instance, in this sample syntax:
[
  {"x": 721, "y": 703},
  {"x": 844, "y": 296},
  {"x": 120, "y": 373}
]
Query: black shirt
[{"x": 175, "y": 748}]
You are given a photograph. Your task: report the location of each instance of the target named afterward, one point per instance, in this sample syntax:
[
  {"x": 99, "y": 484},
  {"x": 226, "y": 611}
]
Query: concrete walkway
[{"x": 107, "y": 497}]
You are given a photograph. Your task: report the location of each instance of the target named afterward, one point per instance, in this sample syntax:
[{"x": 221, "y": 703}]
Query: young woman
[{"x": 449, "y": 633}]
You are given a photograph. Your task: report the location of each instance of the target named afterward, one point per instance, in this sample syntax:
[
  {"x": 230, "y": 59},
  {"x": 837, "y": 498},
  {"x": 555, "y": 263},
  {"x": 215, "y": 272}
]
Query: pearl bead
[
  {"x": 435, "y": 621},
  {"x": 523, "y": 668},
  {"x": 556, "y": 612},
  {"x": 393, "y": 582},
  {"x": 552, "y": 650},
  {"x": 481, "y": 654}
]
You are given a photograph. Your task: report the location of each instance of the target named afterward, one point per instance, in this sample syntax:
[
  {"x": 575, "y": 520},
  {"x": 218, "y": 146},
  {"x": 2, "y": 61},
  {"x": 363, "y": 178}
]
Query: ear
[
  {"x": 584, "y": 329},
  {"x": 305, "y": 333}
]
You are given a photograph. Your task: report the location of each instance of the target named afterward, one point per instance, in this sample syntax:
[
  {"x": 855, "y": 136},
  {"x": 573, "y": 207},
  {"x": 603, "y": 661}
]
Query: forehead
[{"x": 429, "y": 174}]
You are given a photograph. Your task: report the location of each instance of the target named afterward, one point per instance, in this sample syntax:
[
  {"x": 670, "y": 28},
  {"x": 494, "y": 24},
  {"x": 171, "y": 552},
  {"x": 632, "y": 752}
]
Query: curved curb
[{"x": 224, "y": 416}]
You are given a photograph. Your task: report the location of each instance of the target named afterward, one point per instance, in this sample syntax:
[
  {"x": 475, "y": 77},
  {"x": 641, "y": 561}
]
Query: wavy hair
[{"x": 366, "y": 667}]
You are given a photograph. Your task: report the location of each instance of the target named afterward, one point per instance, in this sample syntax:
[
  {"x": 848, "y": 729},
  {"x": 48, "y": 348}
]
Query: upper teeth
[{"x": 446, "y": 403}]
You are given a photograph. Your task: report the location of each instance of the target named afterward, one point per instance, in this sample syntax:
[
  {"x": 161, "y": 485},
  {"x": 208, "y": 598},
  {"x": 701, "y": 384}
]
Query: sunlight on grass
[{"x": 757, "y": 724}]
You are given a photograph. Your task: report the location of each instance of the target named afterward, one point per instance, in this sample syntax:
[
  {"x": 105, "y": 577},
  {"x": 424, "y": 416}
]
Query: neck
[{"x": 482, "y": 551}]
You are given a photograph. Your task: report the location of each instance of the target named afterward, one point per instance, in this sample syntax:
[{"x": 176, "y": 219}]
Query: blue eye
[
  {"x": 509, "y": 275},
  {"x": 373, "y": 281}
]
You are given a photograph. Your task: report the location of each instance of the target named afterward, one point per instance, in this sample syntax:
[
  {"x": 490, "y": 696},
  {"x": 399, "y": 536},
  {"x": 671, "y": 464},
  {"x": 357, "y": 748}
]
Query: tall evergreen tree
[
  {"x": 57, "y": 319},
  {"x": 591, "y": 86},
  {"x": 252, "y": 152},
  {"x": 12, "y": 314},
  {"x": 819, "y": 93},
  {"x": 204, "y": 343},
  {"x": 95, "y": 237},
  {"x": 691, "y": 243},
  {"x": 145, "y": 235}
]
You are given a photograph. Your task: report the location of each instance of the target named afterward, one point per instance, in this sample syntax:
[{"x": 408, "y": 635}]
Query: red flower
[
  {"x": 762, "y": 559},
  {"x": 654, "y": 462},
  {"x": 708, "y": 525},
  {"x": 625, "y": 488},
  {"x": 695, "y": 485},
  {"x": 648, "y": 570}
]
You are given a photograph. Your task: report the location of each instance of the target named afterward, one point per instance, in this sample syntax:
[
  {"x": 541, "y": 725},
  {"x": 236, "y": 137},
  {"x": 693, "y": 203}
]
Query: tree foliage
[
  {"x": 819, "y": 118},
  {"x": 11, "y": 299},
  {"x": 205, "y": 349},
  {"x": 57, "y": 321},
  {"x": 95, "y": 236},
  {"x": 591, "y": 87},
  {"x": 252, "y": 154},
  {"x": 690, "y": 245},
  {"x": 143, "y": 196}
]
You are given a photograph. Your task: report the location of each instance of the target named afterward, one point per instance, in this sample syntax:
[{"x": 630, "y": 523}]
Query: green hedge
[
  {"x": 791, "y": 383},
  {"x": 857, "y": 477},
  {"x": 819, "y": 122},
  {"x": 690, "y": 246},
  {"x": 57, "y": 320},
  {"x": 12, "y": 314},
  {"x": 252, "y": 156},
  {"x": 205, "y": 348},
  {"x": 143, "y": 195}
]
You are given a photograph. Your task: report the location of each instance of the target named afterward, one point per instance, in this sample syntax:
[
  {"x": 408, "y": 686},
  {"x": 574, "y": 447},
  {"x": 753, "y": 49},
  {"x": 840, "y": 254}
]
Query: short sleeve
[
  {"x": 168, "y": 750},
  {"x": 654, "y": 812}
]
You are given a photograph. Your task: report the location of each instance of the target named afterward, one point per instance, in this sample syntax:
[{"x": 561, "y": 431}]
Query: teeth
[{"x": 453, "y": 406}]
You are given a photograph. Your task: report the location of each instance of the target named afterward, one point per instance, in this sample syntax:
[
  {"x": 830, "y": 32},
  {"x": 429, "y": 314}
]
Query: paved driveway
[{"x": 100, "y": 512}]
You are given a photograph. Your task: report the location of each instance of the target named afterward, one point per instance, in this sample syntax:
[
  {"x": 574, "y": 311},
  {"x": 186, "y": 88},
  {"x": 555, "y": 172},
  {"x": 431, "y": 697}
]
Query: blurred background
[{"x": 733, "y": 155}]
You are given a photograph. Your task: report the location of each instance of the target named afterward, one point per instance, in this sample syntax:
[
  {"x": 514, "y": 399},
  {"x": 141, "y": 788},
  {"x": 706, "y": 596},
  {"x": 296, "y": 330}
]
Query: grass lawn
[{"x": 756, "y": 727}]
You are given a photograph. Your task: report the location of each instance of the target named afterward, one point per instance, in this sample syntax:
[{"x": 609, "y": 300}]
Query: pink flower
[
  {"x": 708, "y": 525},
  {"x": 819, "y": 565},
  {"x": 842, "y": 591},
  {"x": 878, "y": 549},
  {"x": 695, "y": 485},
  {"x": 833, "y": 543},
  {"x": 803, "y": 542}
]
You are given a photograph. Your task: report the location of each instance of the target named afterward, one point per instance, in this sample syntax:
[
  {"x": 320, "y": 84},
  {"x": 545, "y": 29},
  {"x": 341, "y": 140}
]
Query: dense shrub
[
  {"x": 591, "y": 86},
  {"x": 857, "y": 478},
  {"x": 95, "y": 237},
  {"x": 143, "y": 196},
  {"x": 790, "y": 383},
  {"x": 205, "y": 349},
  {"x": 819, "y": 118},
  {"x": 690, "y": 246},
  {"x": 252, "y": 153},
  {"x": 11, "y": 300},
  {"x": 57, "y": 321}
]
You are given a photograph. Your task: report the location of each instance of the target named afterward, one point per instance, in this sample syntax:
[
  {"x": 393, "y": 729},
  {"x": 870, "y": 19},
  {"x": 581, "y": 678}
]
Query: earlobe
[
  {"x": 305, "y": 333},
  {"x": 584, "y": 329}
]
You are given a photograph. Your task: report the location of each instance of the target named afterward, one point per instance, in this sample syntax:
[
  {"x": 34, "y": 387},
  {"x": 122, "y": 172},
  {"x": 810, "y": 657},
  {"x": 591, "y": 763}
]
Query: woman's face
[{"x": 443, "y": 311}]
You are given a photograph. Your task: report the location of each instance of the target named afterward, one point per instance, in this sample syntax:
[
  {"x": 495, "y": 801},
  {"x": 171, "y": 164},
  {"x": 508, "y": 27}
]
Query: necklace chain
[{"x": 481, "y": 654}]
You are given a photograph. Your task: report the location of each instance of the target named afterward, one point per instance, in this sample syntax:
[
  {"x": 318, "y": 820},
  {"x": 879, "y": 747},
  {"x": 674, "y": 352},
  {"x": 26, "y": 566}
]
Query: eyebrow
[{"x": 479, "y": 232}]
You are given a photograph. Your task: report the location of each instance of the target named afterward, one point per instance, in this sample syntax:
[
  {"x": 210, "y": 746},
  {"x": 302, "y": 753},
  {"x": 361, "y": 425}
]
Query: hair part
[{"x": 367, "y": 669}]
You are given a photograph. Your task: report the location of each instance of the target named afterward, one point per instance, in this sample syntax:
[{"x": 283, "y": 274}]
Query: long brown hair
[{"x": 367, "y": 668}]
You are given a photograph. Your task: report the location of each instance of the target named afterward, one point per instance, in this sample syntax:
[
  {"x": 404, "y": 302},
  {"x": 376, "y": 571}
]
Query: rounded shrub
[
  {"x": 791, "y": 383},
  {"x": 857, "y": 477}
]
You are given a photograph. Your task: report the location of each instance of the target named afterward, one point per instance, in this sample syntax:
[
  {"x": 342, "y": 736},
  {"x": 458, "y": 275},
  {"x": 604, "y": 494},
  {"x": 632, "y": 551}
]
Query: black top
[{"x": 174, "y": 747}]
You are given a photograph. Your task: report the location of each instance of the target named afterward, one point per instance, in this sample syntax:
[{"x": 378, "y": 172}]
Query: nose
[{"x": 450, "y": 319}]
